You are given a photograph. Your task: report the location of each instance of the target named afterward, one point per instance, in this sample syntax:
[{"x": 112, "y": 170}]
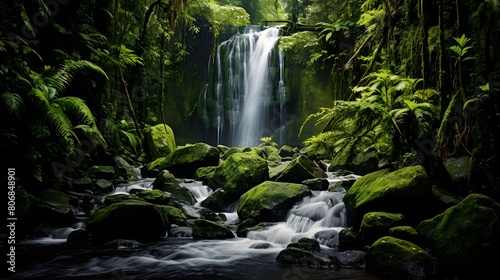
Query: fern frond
[
  {"x": 94, "y": 135},
  {"x": 61, "y": 125},
  {"x": 66, "y": 72},
  {"x": 74, "y": 106},
  {"x": 13, "y": 103}
]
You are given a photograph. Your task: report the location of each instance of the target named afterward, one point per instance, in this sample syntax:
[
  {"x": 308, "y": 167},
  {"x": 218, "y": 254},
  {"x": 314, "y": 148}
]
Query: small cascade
[
  {"x": 237, "y": 102},
  {"x": 282, "y": 98}
]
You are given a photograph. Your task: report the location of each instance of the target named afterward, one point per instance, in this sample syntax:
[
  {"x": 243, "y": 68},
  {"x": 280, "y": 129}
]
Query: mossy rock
[
  {"x": 230, "y": 151},
  {"x": 166, "y": 182},
  {"x": 183, "y": 161},
  {"x": 270, "y": 201},
  {"x": 204, "y": 229},
  {"x": 115, "y": 198},
  {"x": 123, "y": 169},
  {"x": 377, "y": 224},
  {"x": 275, "y": 171},
  {"x": 308, "y": 244},
  {"x": 239, "y": 173},
  {"x": 152, "y": 196},
  {"x": 393, "y": 258},
  {"x": 465, "y": 237},
  {"x": 82, "y": 184},
  {"x": 159, "y": 141},
  {"x": 407, "y": 233},
  {"x": 106, "y": 172},
  {"x": 205, "y": 174},
  {"x": 175, "y": 215},
  {"x": 55, "y": 207},
  {"x": 400, "y": 191},
  {"x": 136, "y": 220},
  {"x": 350, "y": 240},
  {"x": 270, "y": 153},
  {"x": 300, "y": 169},
  {"x": 218, "y": 201}
]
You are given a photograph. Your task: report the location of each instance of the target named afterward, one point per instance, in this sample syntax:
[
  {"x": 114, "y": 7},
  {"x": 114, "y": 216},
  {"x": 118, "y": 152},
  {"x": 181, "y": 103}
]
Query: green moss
[
  {"x": 152, "y": 196},
  {"x": 160, "y": 140},
  {"x": 175, "y": 215},
  {"x": 210, "y": 230}
]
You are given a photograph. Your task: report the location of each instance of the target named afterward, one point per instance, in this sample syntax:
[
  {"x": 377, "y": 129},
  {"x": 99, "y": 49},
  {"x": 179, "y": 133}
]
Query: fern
[
  {"x": 12, "y": 103},
  {"x": 66, "y": 72},
  {"x": 74, "y": 106}
]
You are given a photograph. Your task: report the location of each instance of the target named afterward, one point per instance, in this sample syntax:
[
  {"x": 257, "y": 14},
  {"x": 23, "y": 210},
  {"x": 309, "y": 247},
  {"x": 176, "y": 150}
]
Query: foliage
[{"x": 267, "y": 141}]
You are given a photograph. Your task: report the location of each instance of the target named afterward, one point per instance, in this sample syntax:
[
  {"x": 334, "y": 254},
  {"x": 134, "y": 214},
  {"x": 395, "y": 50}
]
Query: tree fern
[{"x": 74, "y": 106}]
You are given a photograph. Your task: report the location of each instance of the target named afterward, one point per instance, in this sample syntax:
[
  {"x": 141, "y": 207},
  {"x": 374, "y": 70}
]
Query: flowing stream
[
  {"x": 246, "y": 89},
  {"x": 320, "y": 216}
]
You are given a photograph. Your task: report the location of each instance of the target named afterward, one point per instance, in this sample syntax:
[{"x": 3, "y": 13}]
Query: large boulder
[
  {"x": 465, "y": 237},
  {"x": 205, "y": 229},
  {"x": 183, "y": 161},
  {"x": 407, "y": 191},
  {"x": 377, "y": 224},
  {"x": 270, "y": 201},
  {"x": 218, "y": 201},
  {"x": 159, "y": 141},
  {"x": 239, "y": 173},
  {"x": 393, "y": 258},
  {"x": 166, "y": 182},
  {"x": 300, "y": 169},
  {"x": 132, "y": 219}
]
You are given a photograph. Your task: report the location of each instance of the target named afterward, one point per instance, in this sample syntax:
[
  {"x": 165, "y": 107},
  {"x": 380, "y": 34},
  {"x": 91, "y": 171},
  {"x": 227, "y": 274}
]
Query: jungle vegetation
[{"x": 414, "y": 80}]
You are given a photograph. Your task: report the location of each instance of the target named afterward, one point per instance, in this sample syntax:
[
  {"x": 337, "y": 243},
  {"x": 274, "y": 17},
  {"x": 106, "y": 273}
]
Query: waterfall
[
  {"x": 243, "y": 88},
  {"x": 282, "y": 97}
]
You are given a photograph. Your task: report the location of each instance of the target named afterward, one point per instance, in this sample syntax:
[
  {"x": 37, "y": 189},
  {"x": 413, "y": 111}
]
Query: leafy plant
[{"x": 267, "y": 141}]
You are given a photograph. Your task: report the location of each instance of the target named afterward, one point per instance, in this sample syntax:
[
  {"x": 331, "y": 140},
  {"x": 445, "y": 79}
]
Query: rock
[
  {"x": 79, "y": 238},
  {"x": 239, "y": 173},
  {"x": 307, "y": 244},
  {"x": 122, "y": 244},
  {"x": 275, "y": 171},
  {"x": 204, "y": 229},
  {"x": 166, "y": 182},
  {"x": 287, "y": 151},
  {"x": 327, "y": 237},
  {"x": 159, "y": 141},
  {"x": 115, "y": 198},
  {"x": 350, "y": 240},
  {"x": 377, "y": 224},
  {"x": 407, "y": 233},
  {"x": 230, "y": 151},
  {"x": 270, "y": 153},
  {"x": 302, "y": 257},
  {"x": 175, "y": 215},
  {"x": 152, "y": 196},
  {"x": 103, "y": 186},
  {"x": 177, "y": 231},
  {"x": 136, "y": 220},
  {"x": 400, "y": 191},
  {"x": 270, "y": 201},
  {"x": 465, "y": 237},
  {"x": 351, "y": 258},
  {"x": 183, "y": 161},
  {"x": 300, "y": 169},
  {"x": 459, "y": 171},
  {"x": 261, "y": 245},
  {"x": 218, "y": 201},
  {"x": 55, "y": 209},
  {"x": 210, "y": 215},
  {"x": 82, "y": 184},
  {"x": 123, "y": 169},
  {"x": 317, "y": 184},
  {"x": 393, "y": 258},
  {"x": 102, "y": 172},
  {"x": 205, "y": 174}
]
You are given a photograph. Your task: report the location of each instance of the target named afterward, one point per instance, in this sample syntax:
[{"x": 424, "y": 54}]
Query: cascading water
[{"x": 243, "y": 90}]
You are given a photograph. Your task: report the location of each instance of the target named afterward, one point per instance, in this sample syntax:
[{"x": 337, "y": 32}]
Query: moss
[
  {"x": 210, "y": 230},
  {"x": 152, "y": 196},
  {"x": 377, "y": 224},
  {"x": 393, "y": 258},
  {"x": 270, "y": 201},
  {"x": 465, "y": 236},
  {"x": 300, "y": 169},
  {"x": 160, "y": 141},
  {"x": 175, "y": 215}
]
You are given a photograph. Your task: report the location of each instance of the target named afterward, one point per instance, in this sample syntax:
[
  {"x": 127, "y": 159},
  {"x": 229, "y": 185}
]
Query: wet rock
[
  {"x": 328, "y": 237},
  {"x": 103, "y": 186},
  {"x": 350, "y": 240},
  {"x": 122, "y": 244},
  {"x": 204, "y": 229},
  {"x": 393, "y": 258},
  {"x": 205, "y": 174},
  {"x": 136, "y": 220},
  {"x": 307, "y": 244},
  {"x": 261, "y": 245},
  {"x": 217, "y": 201},
  {"x": 82, "y": 184},
  {"x": 183, "y": 161},
  {"x": 465, "y": 237},
  {"x": 177, "y": 231},
  {"x": 239, "y": 173},
  {"x": 79, "y": 238},
  {"x": 159, "y": 141},
  {"x": 270, "y": 201},
  {"x": 175, "y": 215},
  {"x": 152, "y": 196},
  {"x": 300, "y": 169},
  {"x": 102, "y": 172},
  {"x": 317, "y": 184},
  {"x": 400, "y": 191},
  {"x": 351, "y": 258},
  {"x": 123, "y": 169},
  {"x": 166, "y": 182},
  {"x": 115, "y": 198},
  {"x": 377, "y": 224}
]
